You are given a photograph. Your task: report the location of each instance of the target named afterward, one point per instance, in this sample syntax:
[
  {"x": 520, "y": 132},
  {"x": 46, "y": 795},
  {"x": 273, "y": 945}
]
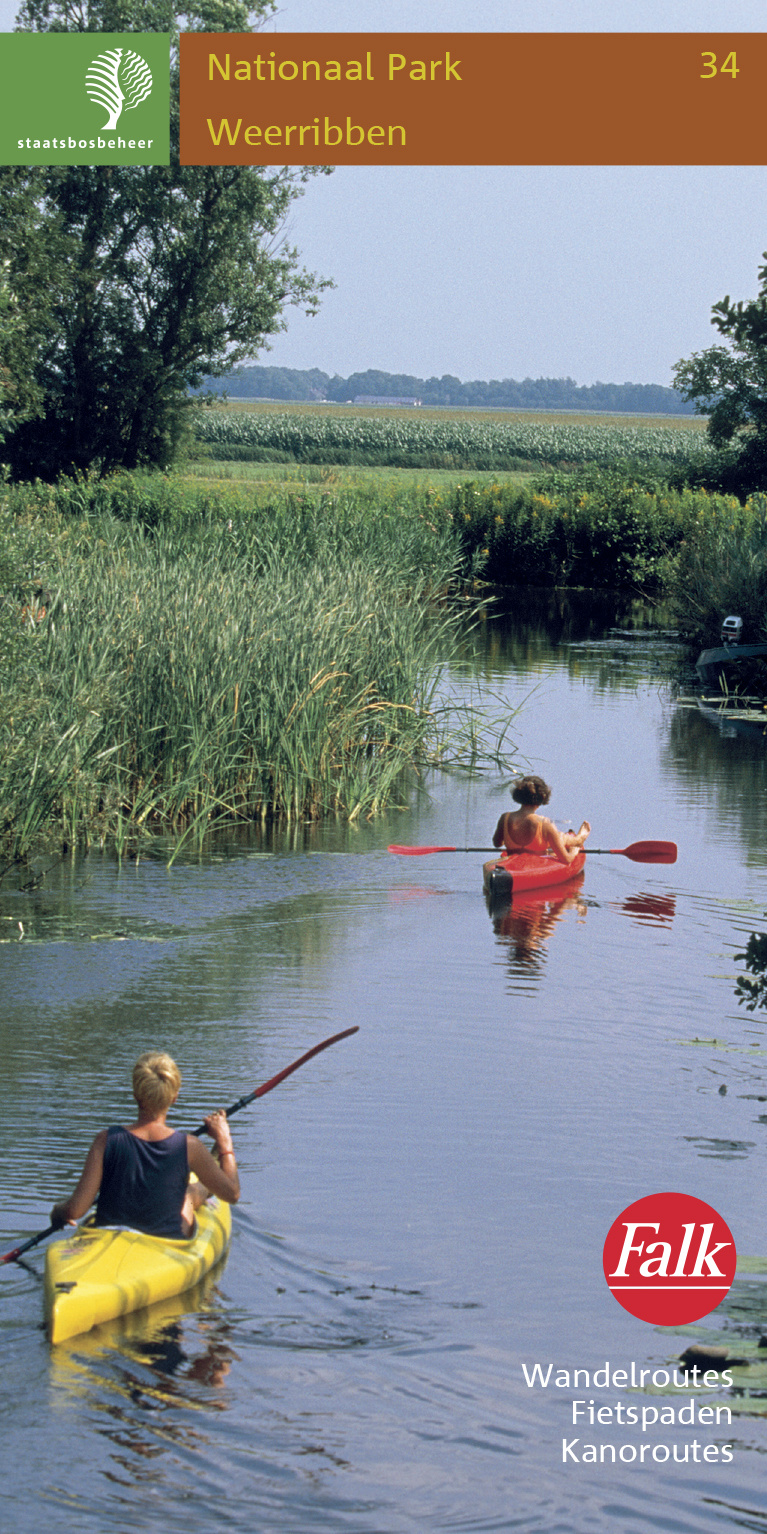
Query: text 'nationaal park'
[{"x": 474, "y": 98}]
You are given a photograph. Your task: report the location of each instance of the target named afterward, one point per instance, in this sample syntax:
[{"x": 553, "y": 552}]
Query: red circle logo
[{"x": 669, "y": 1258}]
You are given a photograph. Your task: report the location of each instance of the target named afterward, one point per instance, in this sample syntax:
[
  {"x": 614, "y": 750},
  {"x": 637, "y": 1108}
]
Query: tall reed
[
  {"x": 722, "y": 568},
  {"x": 201, "y": 659}
]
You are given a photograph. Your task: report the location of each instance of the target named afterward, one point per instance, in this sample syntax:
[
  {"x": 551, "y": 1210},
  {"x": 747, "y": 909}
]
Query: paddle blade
[
  {"x": 421, "y": 852},
  {"x": 645, "y": 852},
  {"x": 27, "y": 1245}
]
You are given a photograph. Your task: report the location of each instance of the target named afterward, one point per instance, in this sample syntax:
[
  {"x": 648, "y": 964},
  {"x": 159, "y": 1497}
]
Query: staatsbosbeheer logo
[
  {"x": 85, "y": 98},
  {"x": 669, "y": 1258},
  {"x": 119, "y": 80}
]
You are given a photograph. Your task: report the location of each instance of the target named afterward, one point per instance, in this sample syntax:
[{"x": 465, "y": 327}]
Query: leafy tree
[
  {"x": 27, "y": 256},
  {"x": 729, "y": 384},
  {"x": 163, "y": 275}
]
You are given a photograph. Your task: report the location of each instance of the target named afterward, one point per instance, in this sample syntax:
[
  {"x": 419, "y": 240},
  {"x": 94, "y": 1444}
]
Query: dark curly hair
[{"x": 531, "y": 790}]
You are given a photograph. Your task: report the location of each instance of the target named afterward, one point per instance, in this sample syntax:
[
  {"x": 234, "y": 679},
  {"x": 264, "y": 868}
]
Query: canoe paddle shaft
[
  {"x": 638, "y": 852},
  {"x": 274, "y": 1081},
  {"x": 27, "y": 1247},
  {"x": 241, "y": 1102}
]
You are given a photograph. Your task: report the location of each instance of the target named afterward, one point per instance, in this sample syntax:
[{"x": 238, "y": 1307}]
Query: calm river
[{"x": 424, "y": 1205}]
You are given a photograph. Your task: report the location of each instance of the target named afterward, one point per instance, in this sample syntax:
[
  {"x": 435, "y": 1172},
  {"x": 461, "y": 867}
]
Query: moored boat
[
  {"x": 100, "y": 1272},
  {"x": 517, "y": 871},
  {"x": 743, "y": 666}
]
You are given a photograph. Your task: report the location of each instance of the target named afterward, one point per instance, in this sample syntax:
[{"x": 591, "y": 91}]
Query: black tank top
[{"x": 143, "y": 1182}]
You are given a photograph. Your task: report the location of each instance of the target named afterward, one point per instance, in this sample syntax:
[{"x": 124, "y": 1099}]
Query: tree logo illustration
[{"x": 118, "y": 80}]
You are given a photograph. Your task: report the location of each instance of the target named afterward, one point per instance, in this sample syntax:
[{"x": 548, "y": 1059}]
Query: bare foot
[{"x": 196, "y": 1194}]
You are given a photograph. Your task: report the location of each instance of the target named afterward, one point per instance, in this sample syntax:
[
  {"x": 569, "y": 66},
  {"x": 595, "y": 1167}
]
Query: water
[{"x": 424, "y": 1205}]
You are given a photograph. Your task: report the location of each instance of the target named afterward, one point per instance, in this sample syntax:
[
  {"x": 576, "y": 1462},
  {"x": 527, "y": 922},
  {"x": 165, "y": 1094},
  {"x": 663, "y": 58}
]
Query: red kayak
[{"x": 517, "y": 871}]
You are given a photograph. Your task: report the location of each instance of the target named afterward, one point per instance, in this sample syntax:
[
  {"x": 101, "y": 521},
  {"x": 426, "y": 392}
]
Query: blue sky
[{"x": 594, "y": 272}]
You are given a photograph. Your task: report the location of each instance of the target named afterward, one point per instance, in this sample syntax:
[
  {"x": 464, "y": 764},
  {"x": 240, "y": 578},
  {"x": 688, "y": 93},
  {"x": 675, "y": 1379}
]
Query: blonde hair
[{"x": 156, "y": 1081}]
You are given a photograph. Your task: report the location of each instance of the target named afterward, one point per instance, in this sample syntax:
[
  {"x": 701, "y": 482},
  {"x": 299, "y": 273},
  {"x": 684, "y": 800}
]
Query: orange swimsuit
[{"x": 535, "y": 843}]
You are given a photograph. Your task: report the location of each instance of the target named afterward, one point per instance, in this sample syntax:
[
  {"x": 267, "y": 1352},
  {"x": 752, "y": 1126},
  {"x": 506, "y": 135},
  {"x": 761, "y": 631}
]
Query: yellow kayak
[{"x": 100, "y": 1272}]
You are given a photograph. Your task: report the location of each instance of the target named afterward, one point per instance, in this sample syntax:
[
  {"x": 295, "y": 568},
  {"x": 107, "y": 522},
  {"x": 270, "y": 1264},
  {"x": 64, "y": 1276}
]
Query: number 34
[{"x": 729, "y": 67}]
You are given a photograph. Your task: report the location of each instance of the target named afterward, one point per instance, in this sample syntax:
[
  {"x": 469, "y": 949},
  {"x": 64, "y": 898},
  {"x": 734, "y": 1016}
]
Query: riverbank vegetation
[
  {"x": 594, "y": 528},
  {"x": 174, "y": 656},
  {"x": 721, "y": 568},
  {"x": 724, "y": 569},
  {"x": 242, "y": 641},
  {"x": 634, "y": 524},
  {"x": 553, "y": 499}
]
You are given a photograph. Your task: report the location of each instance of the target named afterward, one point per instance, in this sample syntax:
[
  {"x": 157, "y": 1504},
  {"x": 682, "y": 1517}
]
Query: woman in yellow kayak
[
  {"x": 140, "y": 1172},
  {"x": 523, "y": 830}
]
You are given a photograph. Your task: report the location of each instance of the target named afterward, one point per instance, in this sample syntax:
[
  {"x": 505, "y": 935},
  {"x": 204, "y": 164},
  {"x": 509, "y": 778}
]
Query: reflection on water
[
  {"x": 727, "y": 777},
  {"x": 608, "y": 637},
  {"x": 721, "y": 1150},
  {"x": 423, "y": 1208},
  {"x": 735, "y": 720},
  {"x": 153, "y": 1336},
  {"x": 655, "y": 910},
  {"x": 526, "y": 921},
  {"x": 165, "y": 1355}
]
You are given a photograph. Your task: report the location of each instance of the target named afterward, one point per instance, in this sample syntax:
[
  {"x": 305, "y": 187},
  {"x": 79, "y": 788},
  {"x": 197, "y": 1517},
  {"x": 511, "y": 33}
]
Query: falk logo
[
  {"x": 118, "y": 80},
  {"x": 669, "y": 1259}
]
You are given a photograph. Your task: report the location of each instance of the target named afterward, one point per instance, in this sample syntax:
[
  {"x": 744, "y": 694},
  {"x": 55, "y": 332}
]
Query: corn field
[{"x": 409, "y": 439}]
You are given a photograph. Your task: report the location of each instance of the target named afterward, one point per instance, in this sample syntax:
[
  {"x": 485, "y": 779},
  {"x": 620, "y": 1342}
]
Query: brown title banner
[{"x": 473, "y": 98}]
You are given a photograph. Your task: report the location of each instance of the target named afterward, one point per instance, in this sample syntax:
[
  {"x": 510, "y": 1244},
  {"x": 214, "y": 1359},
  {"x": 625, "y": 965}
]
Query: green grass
[{"x": 334, "y": 477}]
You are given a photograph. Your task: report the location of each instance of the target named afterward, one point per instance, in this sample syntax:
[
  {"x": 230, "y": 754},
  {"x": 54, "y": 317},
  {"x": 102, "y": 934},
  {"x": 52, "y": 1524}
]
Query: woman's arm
[
  {"x": 222, "y": 1180},
  {"x": 71, "y": 1209},
  {"x": 566, "y": 847},
  {"x": 498, "y": 833}
]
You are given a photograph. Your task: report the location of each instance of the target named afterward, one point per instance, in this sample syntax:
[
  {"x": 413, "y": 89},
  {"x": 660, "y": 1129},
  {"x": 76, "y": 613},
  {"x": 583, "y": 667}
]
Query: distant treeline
[{"x": 529, "y": 394}]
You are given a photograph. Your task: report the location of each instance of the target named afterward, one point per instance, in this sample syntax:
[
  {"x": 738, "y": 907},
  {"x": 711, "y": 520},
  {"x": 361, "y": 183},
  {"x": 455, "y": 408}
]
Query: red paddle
[
  {"x": 274, "y": 1081},
  {"x": 639, "y": 852},
  {"x": 241, "y": 1102}
]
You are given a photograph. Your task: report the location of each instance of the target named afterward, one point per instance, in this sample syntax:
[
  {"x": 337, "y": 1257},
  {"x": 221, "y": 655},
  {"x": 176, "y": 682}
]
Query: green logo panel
[{"x": 84, "y": 98}]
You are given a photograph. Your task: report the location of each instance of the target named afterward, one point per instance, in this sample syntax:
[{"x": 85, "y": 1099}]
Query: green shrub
[
  {"x": 754, "y": 992},
  {"x": 594, "y": 527}
]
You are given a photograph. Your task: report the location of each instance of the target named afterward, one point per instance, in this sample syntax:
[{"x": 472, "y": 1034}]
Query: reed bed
[
  {"x": 721, "y": 568},
  {"x": 176, "y": 653},
  {"x": 172, "y": 659}
]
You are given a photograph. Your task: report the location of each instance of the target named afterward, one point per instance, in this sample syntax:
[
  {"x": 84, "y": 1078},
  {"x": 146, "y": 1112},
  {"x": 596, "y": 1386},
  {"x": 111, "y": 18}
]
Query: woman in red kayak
[
  {"x": 523, "y": 830},
  {"x": 140, "y": 1172}
]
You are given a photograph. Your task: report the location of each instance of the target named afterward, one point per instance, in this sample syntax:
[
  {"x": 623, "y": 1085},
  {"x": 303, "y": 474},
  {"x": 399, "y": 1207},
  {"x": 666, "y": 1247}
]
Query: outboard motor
[{"x": 732, "y": 630}]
